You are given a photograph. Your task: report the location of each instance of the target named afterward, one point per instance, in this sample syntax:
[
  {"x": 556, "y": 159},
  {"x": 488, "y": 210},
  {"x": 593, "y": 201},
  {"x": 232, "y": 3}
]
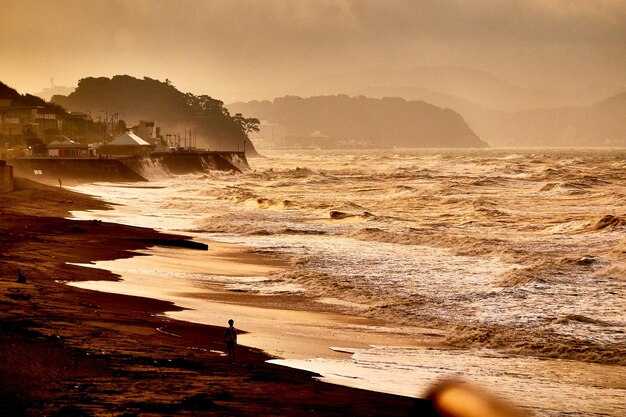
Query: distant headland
[{"x": 340, "y": 121}]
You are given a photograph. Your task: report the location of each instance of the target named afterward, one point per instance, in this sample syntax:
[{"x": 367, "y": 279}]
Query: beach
[
  {"x": 391, "y": 270},
  {"x": 388, "y": 271},
  {"x": 70, "y": 351}
]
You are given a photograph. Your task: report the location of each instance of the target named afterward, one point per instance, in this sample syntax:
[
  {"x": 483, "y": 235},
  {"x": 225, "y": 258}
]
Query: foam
[{"x": 507, "y": 250}]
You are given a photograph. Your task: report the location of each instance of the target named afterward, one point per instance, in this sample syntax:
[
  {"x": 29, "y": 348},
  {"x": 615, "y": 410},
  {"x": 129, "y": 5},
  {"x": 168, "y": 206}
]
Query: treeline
[
  {"x": 381, "y": 122},
  {"x": 134, "y": 99},
  {"x": 28, "y": 100}
]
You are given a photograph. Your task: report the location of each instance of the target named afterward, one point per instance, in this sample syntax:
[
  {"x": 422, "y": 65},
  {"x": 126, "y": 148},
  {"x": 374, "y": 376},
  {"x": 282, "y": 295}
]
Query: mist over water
[{"x": 520, "y": 254}]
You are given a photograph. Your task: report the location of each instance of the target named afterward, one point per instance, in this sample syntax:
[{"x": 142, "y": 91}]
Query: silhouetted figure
[
  {"x": 230, "y": 338},
  {"x": 21, "y": 278},
  {"x": 60, "y": 183}
]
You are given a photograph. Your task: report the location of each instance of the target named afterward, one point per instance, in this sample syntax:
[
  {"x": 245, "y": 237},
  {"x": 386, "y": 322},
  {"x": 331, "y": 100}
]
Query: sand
[
  {"x": 72, "y": 351},
  {"x": 289, "y": 327}
]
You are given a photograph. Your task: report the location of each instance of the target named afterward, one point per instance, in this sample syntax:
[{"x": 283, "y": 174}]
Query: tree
[{"x": 247, "y": 125}]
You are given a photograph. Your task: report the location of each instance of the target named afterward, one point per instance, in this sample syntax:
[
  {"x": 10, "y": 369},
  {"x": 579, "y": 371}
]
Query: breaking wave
[
  {"x": 610, "y": 222},
  {"x": 546, "y": 344},
  {"x": 517, "y": 247},
  {"x": 549, "y": 269}
]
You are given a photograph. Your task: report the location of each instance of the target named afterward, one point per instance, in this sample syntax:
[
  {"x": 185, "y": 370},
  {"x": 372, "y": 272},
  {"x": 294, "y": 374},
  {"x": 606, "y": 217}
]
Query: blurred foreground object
[{"x": 460, "y": 399}]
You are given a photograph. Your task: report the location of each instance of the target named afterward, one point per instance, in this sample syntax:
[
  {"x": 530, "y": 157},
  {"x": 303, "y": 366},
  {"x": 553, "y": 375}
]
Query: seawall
[
  {"x": 6, "y": 177},
  {"x": 75, "y": 169},
  {"x": 163, "y": 164},
  {"x": 130, "y": 168}
]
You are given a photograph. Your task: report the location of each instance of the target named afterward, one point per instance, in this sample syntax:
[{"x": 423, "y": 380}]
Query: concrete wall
[
  {"x": 79, "y": 169},
  {"x": 6, "y": 177},
  {"x": 164, "y": 164},
  {"x": 133, "y": 168}
]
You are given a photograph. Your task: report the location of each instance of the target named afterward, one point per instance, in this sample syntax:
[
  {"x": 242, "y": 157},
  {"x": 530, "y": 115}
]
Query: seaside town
[{"x": 43, "y": 141}]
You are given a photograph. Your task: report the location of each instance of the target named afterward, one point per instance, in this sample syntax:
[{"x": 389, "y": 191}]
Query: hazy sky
[{"x": 235, "y": 49}]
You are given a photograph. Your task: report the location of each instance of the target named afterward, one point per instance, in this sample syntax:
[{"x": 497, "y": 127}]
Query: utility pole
[{"x": 106, "y": 122}]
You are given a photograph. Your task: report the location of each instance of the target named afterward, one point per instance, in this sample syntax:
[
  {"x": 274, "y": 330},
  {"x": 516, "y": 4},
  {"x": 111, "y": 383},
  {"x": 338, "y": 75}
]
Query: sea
[{"x": 515, "y": 257}]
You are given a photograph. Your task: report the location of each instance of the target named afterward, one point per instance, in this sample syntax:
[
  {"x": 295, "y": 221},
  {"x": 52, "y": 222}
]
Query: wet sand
[
  {"x": 289, "y": 327},
  {"x": 71, "y": 351}
]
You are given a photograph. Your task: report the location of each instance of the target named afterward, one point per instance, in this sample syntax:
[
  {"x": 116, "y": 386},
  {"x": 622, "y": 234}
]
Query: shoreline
[
  {"x": 284, "y": 326},
  {"x": 96, "y": 353},
  {"x": 389, "y": 367}
]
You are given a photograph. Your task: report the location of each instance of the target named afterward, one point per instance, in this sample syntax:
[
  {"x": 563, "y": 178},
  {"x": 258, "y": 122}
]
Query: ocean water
[{"x": 517, "y": 256}]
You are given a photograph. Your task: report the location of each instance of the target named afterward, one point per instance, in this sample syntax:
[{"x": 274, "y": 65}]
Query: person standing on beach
[{"x": 230, "y": 338}]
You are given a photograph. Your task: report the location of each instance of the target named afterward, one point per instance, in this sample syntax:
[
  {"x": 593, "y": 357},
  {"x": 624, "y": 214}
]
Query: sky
[{"x": 236, "y": 49}]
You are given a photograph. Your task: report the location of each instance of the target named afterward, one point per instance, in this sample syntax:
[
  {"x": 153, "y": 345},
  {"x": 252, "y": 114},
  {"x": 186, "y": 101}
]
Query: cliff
[{"x": 379, "y": 122}]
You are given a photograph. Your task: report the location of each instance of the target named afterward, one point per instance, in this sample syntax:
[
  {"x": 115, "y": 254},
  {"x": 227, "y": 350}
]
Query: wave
[
  {"x": 579, "y": 318},
  {"x": 513, "y": 156},
  {"x": 609, "y": 222},
  {"x": 178, "y": 204},
  {"x": 549, "y": 269},
  {"x": 267, "y": 203},
  {"x": 457, "y": 244},
  {"x": 250, "y": 225},
  {"x": 400, "y": 189},
  {"x": 341, "y": 215},
  {"x": 538, "y": 343},
  {"x": 613, "y": 271},
  {"x": 606, "y": 223},
  {"x": 568, "y": 227},
  {"x": 482, "y": 182},
  {"x": 617, "y": 268},
  {"x": 619, "y": 251},
  {"x": 570, "y": 188}
]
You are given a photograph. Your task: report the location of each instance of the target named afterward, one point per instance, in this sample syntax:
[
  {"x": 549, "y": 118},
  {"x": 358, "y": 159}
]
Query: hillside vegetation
[
  {"x": 136, "y": 99},
  {"x": 379, "y": 122},
  {"x": 27, "y": 100}
]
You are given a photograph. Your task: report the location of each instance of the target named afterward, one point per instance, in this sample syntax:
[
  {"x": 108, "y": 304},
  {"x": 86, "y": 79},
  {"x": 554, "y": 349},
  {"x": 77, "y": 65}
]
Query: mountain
[
  {"x": 379, "y": 122},
  {"x": 133, "y": 99},
  {"x": 500, "y": 113},
  {"x": 601, "y": 124},
  {"x": 467, "y": 84}
]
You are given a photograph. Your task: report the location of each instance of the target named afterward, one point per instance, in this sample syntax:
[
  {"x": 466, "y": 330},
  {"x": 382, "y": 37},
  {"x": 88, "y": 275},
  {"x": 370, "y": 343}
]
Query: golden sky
[{"x": 236, "y": 49}]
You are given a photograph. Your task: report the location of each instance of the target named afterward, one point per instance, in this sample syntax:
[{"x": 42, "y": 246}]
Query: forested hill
[
  {"x": 136, "y": 99},
  {"x": 380, "y": 122},
  {"x": 19, "y": 100}
]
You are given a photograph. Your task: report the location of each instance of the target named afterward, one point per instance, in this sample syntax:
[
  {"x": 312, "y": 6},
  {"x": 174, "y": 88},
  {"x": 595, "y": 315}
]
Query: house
[
  {"x": 23, "y": 122},
  {"x": 314, "y": 140},
  {"x": 15, "y": 122},
  {"x": 66, "y": 147},
  {"x": 80, "y": 115},
  {"x": 148, "y": 131},
  {"x": 126, "y": 144}
]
